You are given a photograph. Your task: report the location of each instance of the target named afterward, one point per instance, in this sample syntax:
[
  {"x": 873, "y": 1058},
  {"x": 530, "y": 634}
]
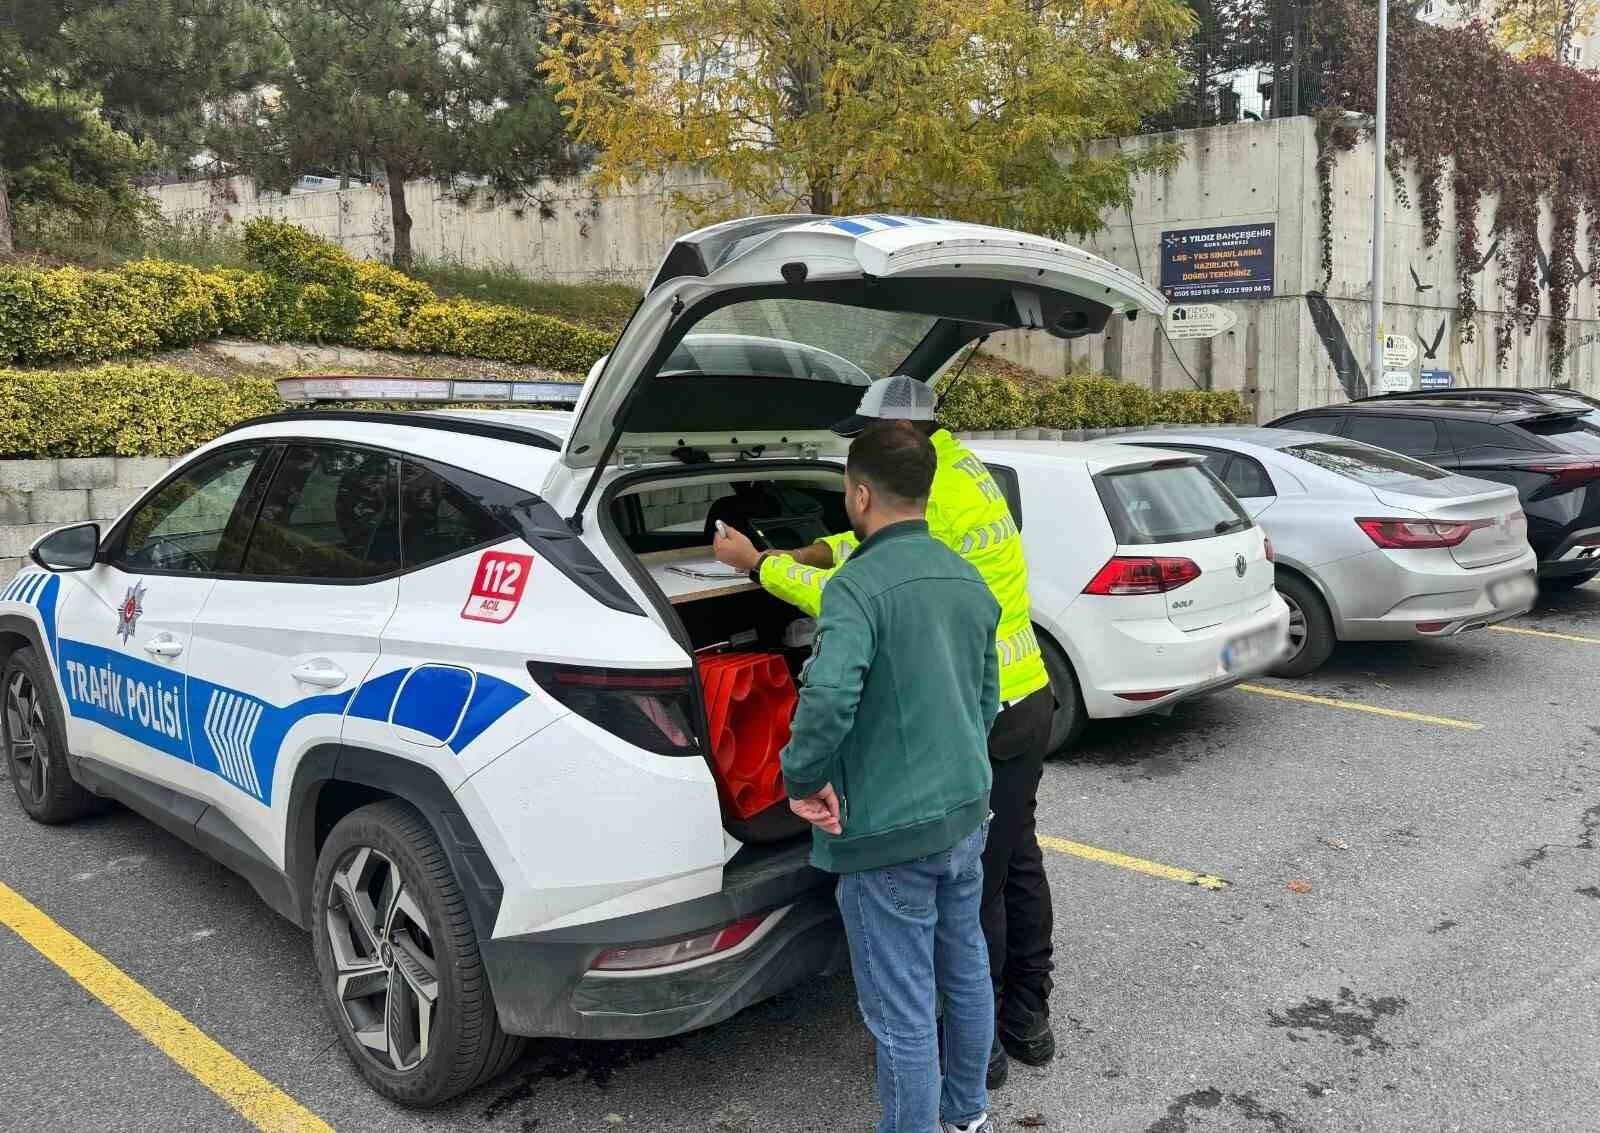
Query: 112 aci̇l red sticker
[{"x": 497, "y": 586}]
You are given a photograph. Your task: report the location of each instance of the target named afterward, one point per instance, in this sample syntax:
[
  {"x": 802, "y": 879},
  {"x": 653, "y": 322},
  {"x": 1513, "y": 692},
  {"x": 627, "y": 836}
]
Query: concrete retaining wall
[
  {"x": 1287, "y": 352},
  {"x": 37, "y": 496}
]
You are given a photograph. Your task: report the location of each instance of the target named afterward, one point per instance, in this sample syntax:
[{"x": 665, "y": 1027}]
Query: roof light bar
[{"x": 335, "y": 387}]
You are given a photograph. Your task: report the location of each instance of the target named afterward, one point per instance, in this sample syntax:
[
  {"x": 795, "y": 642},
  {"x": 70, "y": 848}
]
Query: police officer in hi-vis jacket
[{"x": 968, "y": 512}]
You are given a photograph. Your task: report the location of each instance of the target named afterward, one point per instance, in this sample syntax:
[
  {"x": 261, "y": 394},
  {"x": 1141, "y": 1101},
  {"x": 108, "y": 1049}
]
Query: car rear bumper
[
  {"x": 1579, "y": 553},
  {"x": 1152, "y": 655},
  {"x": 1385, "y": 597},
  {"x": 543, "y": 983}
]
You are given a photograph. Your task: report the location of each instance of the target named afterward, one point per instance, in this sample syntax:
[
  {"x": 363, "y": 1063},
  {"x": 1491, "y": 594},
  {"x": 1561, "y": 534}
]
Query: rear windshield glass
[
  {"x": 800, "y": 338},
  {"x": 1569, "y": 434},
  {"x": 1364, "y": 464},
  {"x": 1168, "y": 504}
]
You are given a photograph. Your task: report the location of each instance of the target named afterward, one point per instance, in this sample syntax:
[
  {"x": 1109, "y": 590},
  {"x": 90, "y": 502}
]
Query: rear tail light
[
  {"x": 649, "y": 708},
  {"x": 1569, "y": 475},
  {"x": 1588, "y": 541},
  {"x": 1266, "y": 545},
  {"x": 679, "y": 951},
  {"x": 1419, "y": 534},
  {"x": 1431, "y": 627},
  {"x": 1143, "y": 696},
  {"x": 1135, "y": 574}
]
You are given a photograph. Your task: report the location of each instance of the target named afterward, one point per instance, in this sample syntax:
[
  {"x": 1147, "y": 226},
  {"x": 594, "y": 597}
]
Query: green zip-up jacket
[
  {"x": 968, "y": 513},
  {"x": 896, "y": 702}
]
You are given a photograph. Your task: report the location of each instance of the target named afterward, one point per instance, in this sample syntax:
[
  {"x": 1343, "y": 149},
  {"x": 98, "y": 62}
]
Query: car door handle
[
  {"x": 323, "y": 674},
  {"x": 164, "y": 646}
]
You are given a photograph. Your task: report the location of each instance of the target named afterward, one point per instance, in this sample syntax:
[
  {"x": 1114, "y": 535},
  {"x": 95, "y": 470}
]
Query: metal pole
[{"x": 1379, "y": 192}]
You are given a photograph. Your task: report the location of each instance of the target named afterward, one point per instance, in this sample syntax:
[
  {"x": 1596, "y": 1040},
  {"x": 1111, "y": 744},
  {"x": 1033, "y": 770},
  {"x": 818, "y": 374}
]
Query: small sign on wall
[
  {"x": 1199, "y": 320},
  {"x": 1395, "y": 381},
  {"x": 1437, "y": 379},
  {"x": 1399, "y": 352}
]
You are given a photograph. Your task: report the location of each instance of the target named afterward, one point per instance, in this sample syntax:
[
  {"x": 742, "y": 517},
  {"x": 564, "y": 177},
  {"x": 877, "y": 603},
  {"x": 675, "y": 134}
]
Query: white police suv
[{"x": 429, "y": 679}]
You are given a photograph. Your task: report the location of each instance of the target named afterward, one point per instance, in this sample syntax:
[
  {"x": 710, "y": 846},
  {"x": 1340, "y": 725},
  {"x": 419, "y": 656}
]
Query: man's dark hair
[{"x": 895, "y": 460}]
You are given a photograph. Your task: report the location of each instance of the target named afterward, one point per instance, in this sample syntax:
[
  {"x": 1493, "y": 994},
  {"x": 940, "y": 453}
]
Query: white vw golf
[{"x": 466, "y": 696}]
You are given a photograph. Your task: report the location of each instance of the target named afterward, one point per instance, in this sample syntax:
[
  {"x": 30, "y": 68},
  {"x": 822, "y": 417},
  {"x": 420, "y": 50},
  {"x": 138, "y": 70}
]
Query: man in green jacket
[
  {"x": 968, "y": 512},
  {"x": 888, "y": 761}
]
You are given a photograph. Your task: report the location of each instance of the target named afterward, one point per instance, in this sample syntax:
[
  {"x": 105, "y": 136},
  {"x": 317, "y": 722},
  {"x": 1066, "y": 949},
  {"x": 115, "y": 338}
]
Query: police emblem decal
[{"x": 128, "y": 613}]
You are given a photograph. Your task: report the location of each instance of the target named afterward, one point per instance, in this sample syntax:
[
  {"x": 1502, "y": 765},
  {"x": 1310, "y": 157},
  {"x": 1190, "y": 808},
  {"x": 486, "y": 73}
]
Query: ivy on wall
[{"x": 1462, "y": 112}]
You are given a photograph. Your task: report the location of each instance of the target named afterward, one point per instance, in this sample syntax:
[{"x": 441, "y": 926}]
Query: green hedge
[
  {"x": 149, "y": 410},
  {"x": 990, "y": 401},
  {"x": 304, "y": 289},
  {"x": 137, "y": 410}
]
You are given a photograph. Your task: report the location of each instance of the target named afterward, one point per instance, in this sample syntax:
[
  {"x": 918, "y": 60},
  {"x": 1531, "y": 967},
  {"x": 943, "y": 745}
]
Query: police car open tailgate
[{"x": 799, "y": 257}]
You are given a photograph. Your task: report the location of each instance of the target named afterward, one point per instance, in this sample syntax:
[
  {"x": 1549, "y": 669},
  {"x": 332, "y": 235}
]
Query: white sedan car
[{"x": 1150, "y": 583}]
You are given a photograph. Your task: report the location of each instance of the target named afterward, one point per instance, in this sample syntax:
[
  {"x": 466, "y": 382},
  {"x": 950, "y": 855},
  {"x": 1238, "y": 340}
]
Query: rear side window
[
  {"x": 1007, "y": 479},
  {"x": 440, "y": 518},
  {"x": 330, "y": 513},
  {"x": 1316, "y": 423},
  {"x": 1365, "y": 464},
  {"x": 1478, "y": 437},
  {"x": 1413, "y": 435},
  {"x": 1167, "y": 503},
  {"x": 1569, "y": 434}
]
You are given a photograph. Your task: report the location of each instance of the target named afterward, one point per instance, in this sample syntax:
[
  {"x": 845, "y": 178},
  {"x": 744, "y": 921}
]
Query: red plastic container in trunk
[{"x": 750, "y": 698}]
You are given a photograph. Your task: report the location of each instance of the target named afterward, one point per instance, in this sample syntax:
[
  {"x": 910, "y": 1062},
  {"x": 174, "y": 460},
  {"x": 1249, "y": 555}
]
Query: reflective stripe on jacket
[{"x": 967, "y": 512}]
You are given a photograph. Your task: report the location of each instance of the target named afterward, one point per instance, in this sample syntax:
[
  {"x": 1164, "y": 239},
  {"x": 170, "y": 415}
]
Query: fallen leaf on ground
[
  {"x": 1298, "y": 886},
  {"x": 1336, "y": 843},
  {"x": 1032, "y": 1120}
]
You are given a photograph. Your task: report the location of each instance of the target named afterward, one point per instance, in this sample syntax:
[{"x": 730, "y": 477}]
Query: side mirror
[{"x": 68, "y": 548}]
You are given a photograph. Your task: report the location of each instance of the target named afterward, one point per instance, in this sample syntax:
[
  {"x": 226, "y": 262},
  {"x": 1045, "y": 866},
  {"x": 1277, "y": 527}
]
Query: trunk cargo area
[{"x": 748, "y": 646}]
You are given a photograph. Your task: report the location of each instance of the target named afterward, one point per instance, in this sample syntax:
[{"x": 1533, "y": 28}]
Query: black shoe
[
  {"x": 999, "y": 1066},
  {"x": 1034, "y": 1046}
]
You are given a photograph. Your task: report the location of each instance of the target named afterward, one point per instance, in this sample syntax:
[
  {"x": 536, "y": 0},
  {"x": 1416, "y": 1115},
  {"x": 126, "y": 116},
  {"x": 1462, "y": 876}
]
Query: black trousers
[{"x": 1016, "y": 912}]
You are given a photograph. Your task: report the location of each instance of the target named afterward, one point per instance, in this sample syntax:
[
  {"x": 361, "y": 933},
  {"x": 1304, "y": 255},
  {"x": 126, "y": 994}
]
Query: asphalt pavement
[{"x": 1409, "y": 938}]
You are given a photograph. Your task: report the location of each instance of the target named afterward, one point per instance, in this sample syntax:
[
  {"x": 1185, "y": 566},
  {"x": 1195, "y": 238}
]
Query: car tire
[
  {"x": 398, "y": 962},
  {"x": 1311, "y": 637},
  {"x": 34, "y": 737},
  {"x": 1564, "y": 582},
  {"x": 1067, "y": 724}
]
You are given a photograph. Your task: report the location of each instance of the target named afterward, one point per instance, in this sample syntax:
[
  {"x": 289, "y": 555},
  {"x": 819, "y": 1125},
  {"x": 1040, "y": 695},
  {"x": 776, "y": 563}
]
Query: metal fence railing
[{"x": 1248, "y": 60}]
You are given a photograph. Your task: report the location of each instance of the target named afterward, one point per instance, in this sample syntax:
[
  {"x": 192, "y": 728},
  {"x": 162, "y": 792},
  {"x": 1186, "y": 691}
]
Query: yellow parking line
[
  {"x": 1111, "y": 857},
  {"x": 1355, "y": 706},
  {"x": 1546, "y": 633},
  {"x": 260, "y": 1102}
]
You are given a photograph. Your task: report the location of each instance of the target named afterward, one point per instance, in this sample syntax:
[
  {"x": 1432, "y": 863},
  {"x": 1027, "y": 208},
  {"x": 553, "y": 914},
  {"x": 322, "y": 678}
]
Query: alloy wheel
[
  {"x": 26, "y": 739},
  {"x": 387, "y": 976},
  {"x": 1297, "y": 627}
]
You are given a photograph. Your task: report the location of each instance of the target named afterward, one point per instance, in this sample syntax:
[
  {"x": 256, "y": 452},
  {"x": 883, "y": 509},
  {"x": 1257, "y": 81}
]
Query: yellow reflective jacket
[{"x": 968, "y": 513}]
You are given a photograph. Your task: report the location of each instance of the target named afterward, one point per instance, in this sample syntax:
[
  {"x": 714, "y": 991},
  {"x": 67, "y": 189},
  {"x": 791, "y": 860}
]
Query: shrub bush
[
  {"x": 121, "y": 410},
  {"x": 506, "y": 334},
  {"x": 307, "y": 289}
]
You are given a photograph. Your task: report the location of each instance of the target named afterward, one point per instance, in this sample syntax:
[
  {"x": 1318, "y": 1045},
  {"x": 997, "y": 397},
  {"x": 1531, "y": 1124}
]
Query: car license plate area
[
  {"x": 1518, "y": 591},
  {"x": 1252, "y": 649}
]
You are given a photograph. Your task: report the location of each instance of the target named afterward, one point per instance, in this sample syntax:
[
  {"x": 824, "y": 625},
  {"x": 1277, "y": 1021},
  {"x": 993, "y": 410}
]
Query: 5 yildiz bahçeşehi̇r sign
[{"x": 1232, "y": 262}]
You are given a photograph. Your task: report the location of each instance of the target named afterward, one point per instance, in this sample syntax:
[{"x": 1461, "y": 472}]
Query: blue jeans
[{"x": 915, "y": 936}]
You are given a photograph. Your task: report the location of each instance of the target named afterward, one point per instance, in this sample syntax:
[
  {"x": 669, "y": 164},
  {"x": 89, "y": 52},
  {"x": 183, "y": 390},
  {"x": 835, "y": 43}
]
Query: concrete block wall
[{"x": 37, "y": 496}]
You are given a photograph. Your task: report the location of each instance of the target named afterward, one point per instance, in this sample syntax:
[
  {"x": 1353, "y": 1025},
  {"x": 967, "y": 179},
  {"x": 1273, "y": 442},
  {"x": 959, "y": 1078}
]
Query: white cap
[{"x": 900, "y": 398}]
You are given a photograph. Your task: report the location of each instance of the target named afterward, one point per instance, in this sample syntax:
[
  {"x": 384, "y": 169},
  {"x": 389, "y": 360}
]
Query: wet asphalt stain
[
  {"x": 1588, "y": 891},
  {"x": 1245, "y": 1105},
  {"x": 1148, "y": 748},
  {"x": 556, "y": 1061},
  {"x": 1442, "y": 926},
  {"x": 1588, "y": 832},
  {"x": 1352, "y": 1019}
]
